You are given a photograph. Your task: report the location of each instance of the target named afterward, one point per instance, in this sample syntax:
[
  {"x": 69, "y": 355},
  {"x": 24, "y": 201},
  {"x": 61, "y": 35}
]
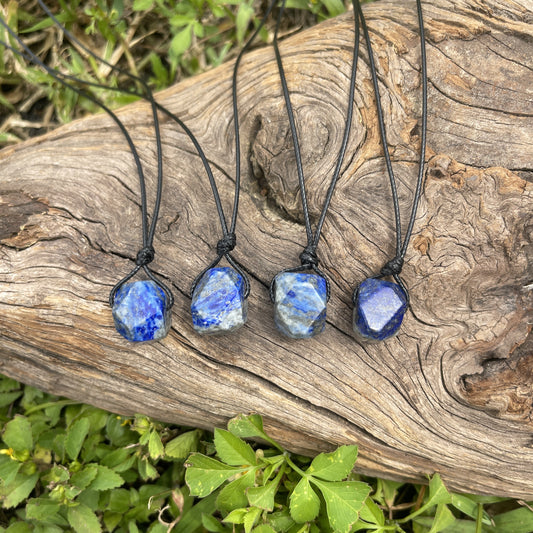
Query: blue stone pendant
[
  {"x": 300, "y": 301},
  {"x": 218, "y": 303},
  {"x": 140, "y": 311},
  {"x": 379, "y": 309}
]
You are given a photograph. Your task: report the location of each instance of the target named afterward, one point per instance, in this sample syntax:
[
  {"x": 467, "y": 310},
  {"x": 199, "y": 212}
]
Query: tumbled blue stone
[
  {"x": 300, "y": 301},
  {"x": 140, "y": 311},
  {"x": 379, "y": 309},
  {"x": 218, "y": 303}
]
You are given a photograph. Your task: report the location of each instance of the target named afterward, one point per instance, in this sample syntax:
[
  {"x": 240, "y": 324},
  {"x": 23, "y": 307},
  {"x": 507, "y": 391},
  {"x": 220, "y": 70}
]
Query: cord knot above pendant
[
  {"x": 392, "y": 267},
  {"x": 308, "y": 257},
  {"x": 226, "y": 244},
  {"x": 145, "y": 256}
]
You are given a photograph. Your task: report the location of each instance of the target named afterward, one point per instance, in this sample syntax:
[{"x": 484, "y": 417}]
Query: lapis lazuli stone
[
  {"x": 300, "y": 304},
  {"x": 218, "y": 303},
  {"x": 140, "y": 311},
  {"x": 379, "y": 309}
]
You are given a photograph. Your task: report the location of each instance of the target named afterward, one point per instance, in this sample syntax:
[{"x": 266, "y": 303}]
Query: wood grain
[{"x": 452, "y": 393}]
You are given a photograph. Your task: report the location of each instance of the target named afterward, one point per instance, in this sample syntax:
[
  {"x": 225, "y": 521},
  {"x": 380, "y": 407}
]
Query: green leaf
[
  {"x": 232, "y": 450},
  {"x": 516, "y": 521},
  {"x": 244, "y": 15},
  {"x": 192, "y": 519},
  {"x": 83, "y": 478},
  {"x": 264, "y": 528},
  {"x": 371, "y": 513},
  {"x": 155, "y": 446},
  {"x": 443, "y": 518},
  {"x": 344, "y": 500},
  {"x": 142, "y": 5},
  {"x": 334, "y": 466},
  {"x": 181, "y": 42},
  {"x": 304, "y": 502},
  {"x": 212, "y": 524},
  {"x": 334, "y": 7},
  {"x": 205, "y": 474},
  {"x": 8, "y": 469},
  {"x": 119, "y": 460},
  {"x": 247, "y": 426},
  {"x": 263, "y": 497},
  {"x": 19, "y": 527},
  {"x": 18, "y": 490},
  {"x": 281, "y": 520},
  {"x": 41, "y": 509},
  {"x": 119, "y": 501},
  {"x": 424, "y": 523},
  {"x": 251, "y": 518},
  {"x": 76, "y": 434},
  {"x": 236, "y": 516},
  {"x": 18, "y": 434},
  {"x": 183, "y": 444},
  {"x": 105, "y": 479},
  {"x": 83, "y": 520},
  {"x": 466, "y": 505},
  {"x": 7, "y": 398},
  {"x": 146, "y": 469},
  {"x": 233, "y": 495},
  {"x": 437, "y": 492}
]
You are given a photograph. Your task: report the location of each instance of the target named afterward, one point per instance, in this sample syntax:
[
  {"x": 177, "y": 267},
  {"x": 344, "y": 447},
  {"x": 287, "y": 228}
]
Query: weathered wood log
[{"x": 451, "y": 393}]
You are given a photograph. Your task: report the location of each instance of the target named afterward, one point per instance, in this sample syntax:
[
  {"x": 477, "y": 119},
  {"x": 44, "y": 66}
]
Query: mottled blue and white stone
[
  {"x": 218, "y": 303},
  {"x": 140, "y": 311},
  {"x": 379, "y": 309},
  {"x": 300, "y": 301}
]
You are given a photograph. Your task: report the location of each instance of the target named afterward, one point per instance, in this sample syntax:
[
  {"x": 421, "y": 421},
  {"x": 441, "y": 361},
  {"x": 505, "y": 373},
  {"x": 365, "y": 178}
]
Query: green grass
[
  {"x": 66, "y": 466},
  {"x": 162, "y": 41}
]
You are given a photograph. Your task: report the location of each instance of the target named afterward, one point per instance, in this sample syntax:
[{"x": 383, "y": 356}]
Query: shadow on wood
[{"x": 451, "y": 393}]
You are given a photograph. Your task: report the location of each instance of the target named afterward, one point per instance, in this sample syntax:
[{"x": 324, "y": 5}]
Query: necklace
[
  {"x": 380, "y": 305},
  {"x": 300, "y": 297},
  {"x": 141, "y": 309},
  {"x": 218, "y": 293}
]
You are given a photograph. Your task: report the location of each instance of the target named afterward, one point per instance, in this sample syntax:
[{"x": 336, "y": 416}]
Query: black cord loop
[
  {"x": 228, "y": 241},
  {"x": 149, "y": 97},
  {"x": 145, "y": 256},
  {"x": 394, "y": 266},
  {"x": 308, "y": 257},
  {"x": 226, "y": 244}
]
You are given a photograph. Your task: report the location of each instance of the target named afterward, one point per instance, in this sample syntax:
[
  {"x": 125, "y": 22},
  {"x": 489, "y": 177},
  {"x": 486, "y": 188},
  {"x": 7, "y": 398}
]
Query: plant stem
[{"x": 479, "y": 519}]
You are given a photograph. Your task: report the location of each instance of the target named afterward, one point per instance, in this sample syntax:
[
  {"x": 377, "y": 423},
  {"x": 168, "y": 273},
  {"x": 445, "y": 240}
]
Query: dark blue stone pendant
[
  {"x": 140, "y": 311},
  {"x": 300, "y": 301},
  {"x": 218, "y": 303},
  {"x": 379, "y": 309}
]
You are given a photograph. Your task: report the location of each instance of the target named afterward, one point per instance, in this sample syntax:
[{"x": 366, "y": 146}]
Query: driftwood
[{"x": 451, "y": 394}]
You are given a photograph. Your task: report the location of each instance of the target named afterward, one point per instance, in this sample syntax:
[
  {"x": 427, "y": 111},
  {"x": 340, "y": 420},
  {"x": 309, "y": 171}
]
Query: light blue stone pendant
[
  {"x": 140, "y": 311},
  {"x": 218, "y": 303},
  {"x": 300, "y": 301},
  {"x": 379, "y": 307}
]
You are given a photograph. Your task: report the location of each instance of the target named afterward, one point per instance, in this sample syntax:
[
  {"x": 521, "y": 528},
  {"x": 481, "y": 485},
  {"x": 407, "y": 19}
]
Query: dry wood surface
[{"x": 452, "y": 393}]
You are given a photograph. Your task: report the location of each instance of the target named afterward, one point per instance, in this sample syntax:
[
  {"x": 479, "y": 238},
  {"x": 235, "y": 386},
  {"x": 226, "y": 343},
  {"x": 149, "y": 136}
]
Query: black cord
[
  {"x": 394, "y": 266},
  {"x": 308, "y": 257},
  {"x": 229, "y": 239},
  {"x": 146, "y": 255}
]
